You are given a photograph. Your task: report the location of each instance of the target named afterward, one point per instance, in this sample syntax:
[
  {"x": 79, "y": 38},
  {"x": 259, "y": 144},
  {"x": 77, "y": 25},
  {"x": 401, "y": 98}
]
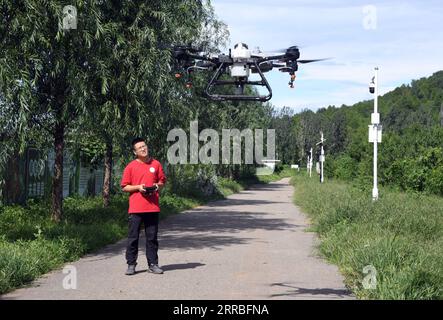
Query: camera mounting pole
[{"x": 375, "y": 129}]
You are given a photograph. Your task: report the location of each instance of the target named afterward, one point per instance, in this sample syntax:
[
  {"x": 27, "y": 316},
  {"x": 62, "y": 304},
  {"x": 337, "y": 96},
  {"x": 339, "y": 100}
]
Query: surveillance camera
[{"x": 371, "y": 88}]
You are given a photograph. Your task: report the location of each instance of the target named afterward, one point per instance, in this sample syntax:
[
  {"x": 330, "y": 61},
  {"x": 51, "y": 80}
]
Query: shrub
[
  {"x": 345, "y": 167},
  {"x": 193, "y": 180}
]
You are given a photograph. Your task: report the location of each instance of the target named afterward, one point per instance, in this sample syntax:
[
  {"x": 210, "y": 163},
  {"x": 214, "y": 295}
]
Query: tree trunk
[
  {"x": 57, "y": 180},
  {"x": 108, "y": 173},
  {"x": 12, "y": 183}
]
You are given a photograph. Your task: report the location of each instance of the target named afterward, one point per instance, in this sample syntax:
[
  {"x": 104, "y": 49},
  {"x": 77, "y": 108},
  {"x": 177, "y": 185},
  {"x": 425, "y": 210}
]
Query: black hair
[{"x": 136, "y": 140}]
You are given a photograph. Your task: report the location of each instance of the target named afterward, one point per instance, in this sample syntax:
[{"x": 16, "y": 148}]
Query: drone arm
[
  {"x": 277, "y": 57},
  {"x": 199, "y": 57}
]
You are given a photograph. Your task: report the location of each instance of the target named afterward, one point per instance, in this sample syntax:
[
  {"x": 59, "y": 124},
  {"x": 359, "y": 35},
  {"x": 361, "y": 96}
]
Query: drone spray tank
[
  {"x": 240, "y": 68},
  {"x": 239, "y": 55}
]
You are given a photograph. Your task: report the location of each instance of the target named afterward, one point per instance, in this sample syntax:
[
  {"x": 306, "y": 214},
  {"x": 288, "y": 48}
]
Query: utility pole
[
  {"x": 322, "y": 156},
  {"x": 307, "y": 163},
  {"x": 375, "y": 129},
  {"x": 310, "y": 165}
]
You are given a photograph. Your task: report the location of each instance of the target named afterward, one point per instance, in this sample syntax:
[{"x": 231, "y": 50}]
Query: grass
[
  {"x": 400, "y": 235},
  {"x": 285, "y": 172},
  {"x": 228, "y": 186}
]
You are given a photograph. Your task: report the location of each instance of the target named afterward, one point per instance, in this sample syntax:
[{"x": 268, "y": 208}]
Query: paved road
[{"x": 251, "y": 246}]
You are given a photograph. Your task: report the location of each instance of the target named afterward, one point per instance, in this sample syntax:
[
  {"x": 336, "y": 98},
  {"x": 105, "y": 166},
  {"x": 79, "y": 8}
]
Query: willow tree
[{"x": 44, "y": 67}]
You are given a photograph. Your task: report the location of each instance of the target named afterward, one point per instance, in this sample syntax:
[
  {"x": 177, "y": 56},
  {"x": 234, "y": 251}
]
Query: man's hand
[
  {"x": 141, "y": 188},
  {"x": 134, "y": 188}
]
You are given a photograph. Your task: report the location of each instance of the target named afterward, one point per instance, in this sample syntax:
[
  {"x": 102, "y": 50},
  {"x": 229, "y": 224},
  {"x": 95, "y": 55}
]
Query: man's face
[{"x": 141, "y": 149}]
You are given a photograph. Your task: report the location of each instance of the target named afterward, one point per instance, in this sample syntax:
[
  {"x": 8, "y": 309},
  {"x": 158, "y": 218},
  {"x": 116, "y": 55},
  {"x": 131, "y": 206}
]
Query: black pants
[{"x": 150, "y": 222}]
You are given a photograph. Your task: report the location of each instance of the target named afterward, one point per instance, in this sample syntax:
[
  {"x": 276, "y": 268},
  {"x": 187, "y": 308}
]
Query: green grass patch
[
  {"x": 400, "y": 235},
  {"x": 228, "y": 186},
  {"x": 281, "y": 172}
]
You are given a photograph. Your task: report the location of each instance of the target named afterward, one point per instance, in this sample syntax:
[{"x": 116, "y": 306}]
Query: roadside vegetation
[
  {"x": 280, "y": 172},
  {"x": 400, "y": 236}
]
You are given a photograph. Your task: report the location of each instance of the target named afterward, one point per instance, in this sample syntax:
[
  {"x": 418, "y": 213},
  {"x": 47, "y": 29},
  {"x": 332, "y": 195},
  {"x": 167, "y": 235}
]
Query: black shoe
[
  {"x": 154, "y": 268},
  {"x": 131, "y": 270}
]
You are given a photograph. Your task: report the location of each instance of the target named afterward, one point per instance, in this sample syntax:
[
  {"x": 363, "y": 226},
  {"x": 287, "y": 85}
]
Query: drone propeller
[
  {"x": 313, "y": 60},
  {"x": 283, "y": 50}
]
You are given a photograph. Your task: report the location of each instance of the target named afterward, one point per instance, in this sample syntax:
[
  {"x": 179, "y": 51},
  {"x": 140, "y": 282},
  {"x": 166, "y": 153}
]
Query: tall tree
[{"x": 47, "y": 64}]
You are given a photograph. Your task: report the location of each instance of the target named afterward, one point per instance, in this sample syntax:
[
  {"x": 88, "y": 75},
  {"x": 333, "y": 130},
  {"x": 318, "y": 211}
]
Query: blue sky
[{"x": 403, "y": 38}]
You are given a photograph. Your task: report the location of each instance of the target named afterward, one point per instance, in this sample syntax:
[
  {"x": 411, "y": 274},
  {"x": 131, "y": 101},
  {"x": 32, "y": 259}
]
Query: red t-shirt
[{"x": 146, "y": 173}]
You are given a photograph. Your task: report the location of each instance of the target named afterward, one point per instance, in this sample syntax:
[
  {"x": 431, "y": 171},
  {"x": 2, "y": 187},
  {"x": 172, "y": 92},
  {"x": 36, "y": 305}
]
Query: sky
[{"x": 404, "y": 39}]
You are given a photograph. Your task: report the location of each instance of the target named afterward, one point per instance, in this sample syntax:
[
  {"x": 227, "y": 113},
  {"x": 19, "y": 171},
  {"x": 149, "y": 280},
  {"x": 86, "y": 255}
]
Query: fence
[{"x": 30, "y": 176}]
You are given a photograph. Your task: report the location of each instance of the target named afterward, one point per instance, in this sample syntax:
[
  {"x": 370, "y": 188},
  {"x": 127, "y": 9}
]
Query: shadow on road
[
  {"x": 189, "y": 242},
  {"x": 223, "y": 221},
  {"x": 204, "y": 229},
  {"x": 182, "y": 266},
  {"x": 177, "y": 266},
  {"x": 297, "y": 291},
  {"x": 237, "y": 202}
]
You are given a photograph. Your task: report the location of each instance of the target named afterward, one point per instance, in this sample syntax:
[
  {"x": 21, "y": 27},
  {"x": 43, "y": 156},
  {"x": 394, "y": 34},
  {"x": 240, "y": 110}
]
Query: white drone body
[{"x": 240, "y": 54}]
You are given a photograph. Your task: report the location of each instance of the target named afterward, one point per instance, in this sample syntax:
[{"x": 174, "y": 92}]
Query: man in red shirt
[{"x": 141, "y": 175}]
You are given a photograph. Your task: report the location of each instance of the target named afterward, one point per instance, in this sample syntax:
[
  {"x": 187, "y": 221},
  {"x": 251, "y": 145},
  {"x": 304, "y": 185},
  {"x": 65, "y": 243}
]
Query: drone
[{"x": 238, "y": 66}]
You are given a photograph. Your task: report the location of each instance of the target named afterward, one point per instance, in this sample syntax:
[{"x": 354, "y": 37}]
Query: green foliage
[
  {"x": 422, "y": 173},
  {"x": 344, "y": 167},
  {"x": 284, "y": 172},
  {"x": 228, "y": 186},
  {"x": 193, "y": 180},
  {"x": 285, "y": 138},
  {"x": 22, "y": 261},
  {"x": 401, "y": 235}
]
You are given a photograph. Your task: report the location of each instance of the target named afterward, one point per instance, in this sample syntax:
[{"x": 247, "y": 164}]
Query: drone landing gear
[{"x": 239, "y": 87}]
